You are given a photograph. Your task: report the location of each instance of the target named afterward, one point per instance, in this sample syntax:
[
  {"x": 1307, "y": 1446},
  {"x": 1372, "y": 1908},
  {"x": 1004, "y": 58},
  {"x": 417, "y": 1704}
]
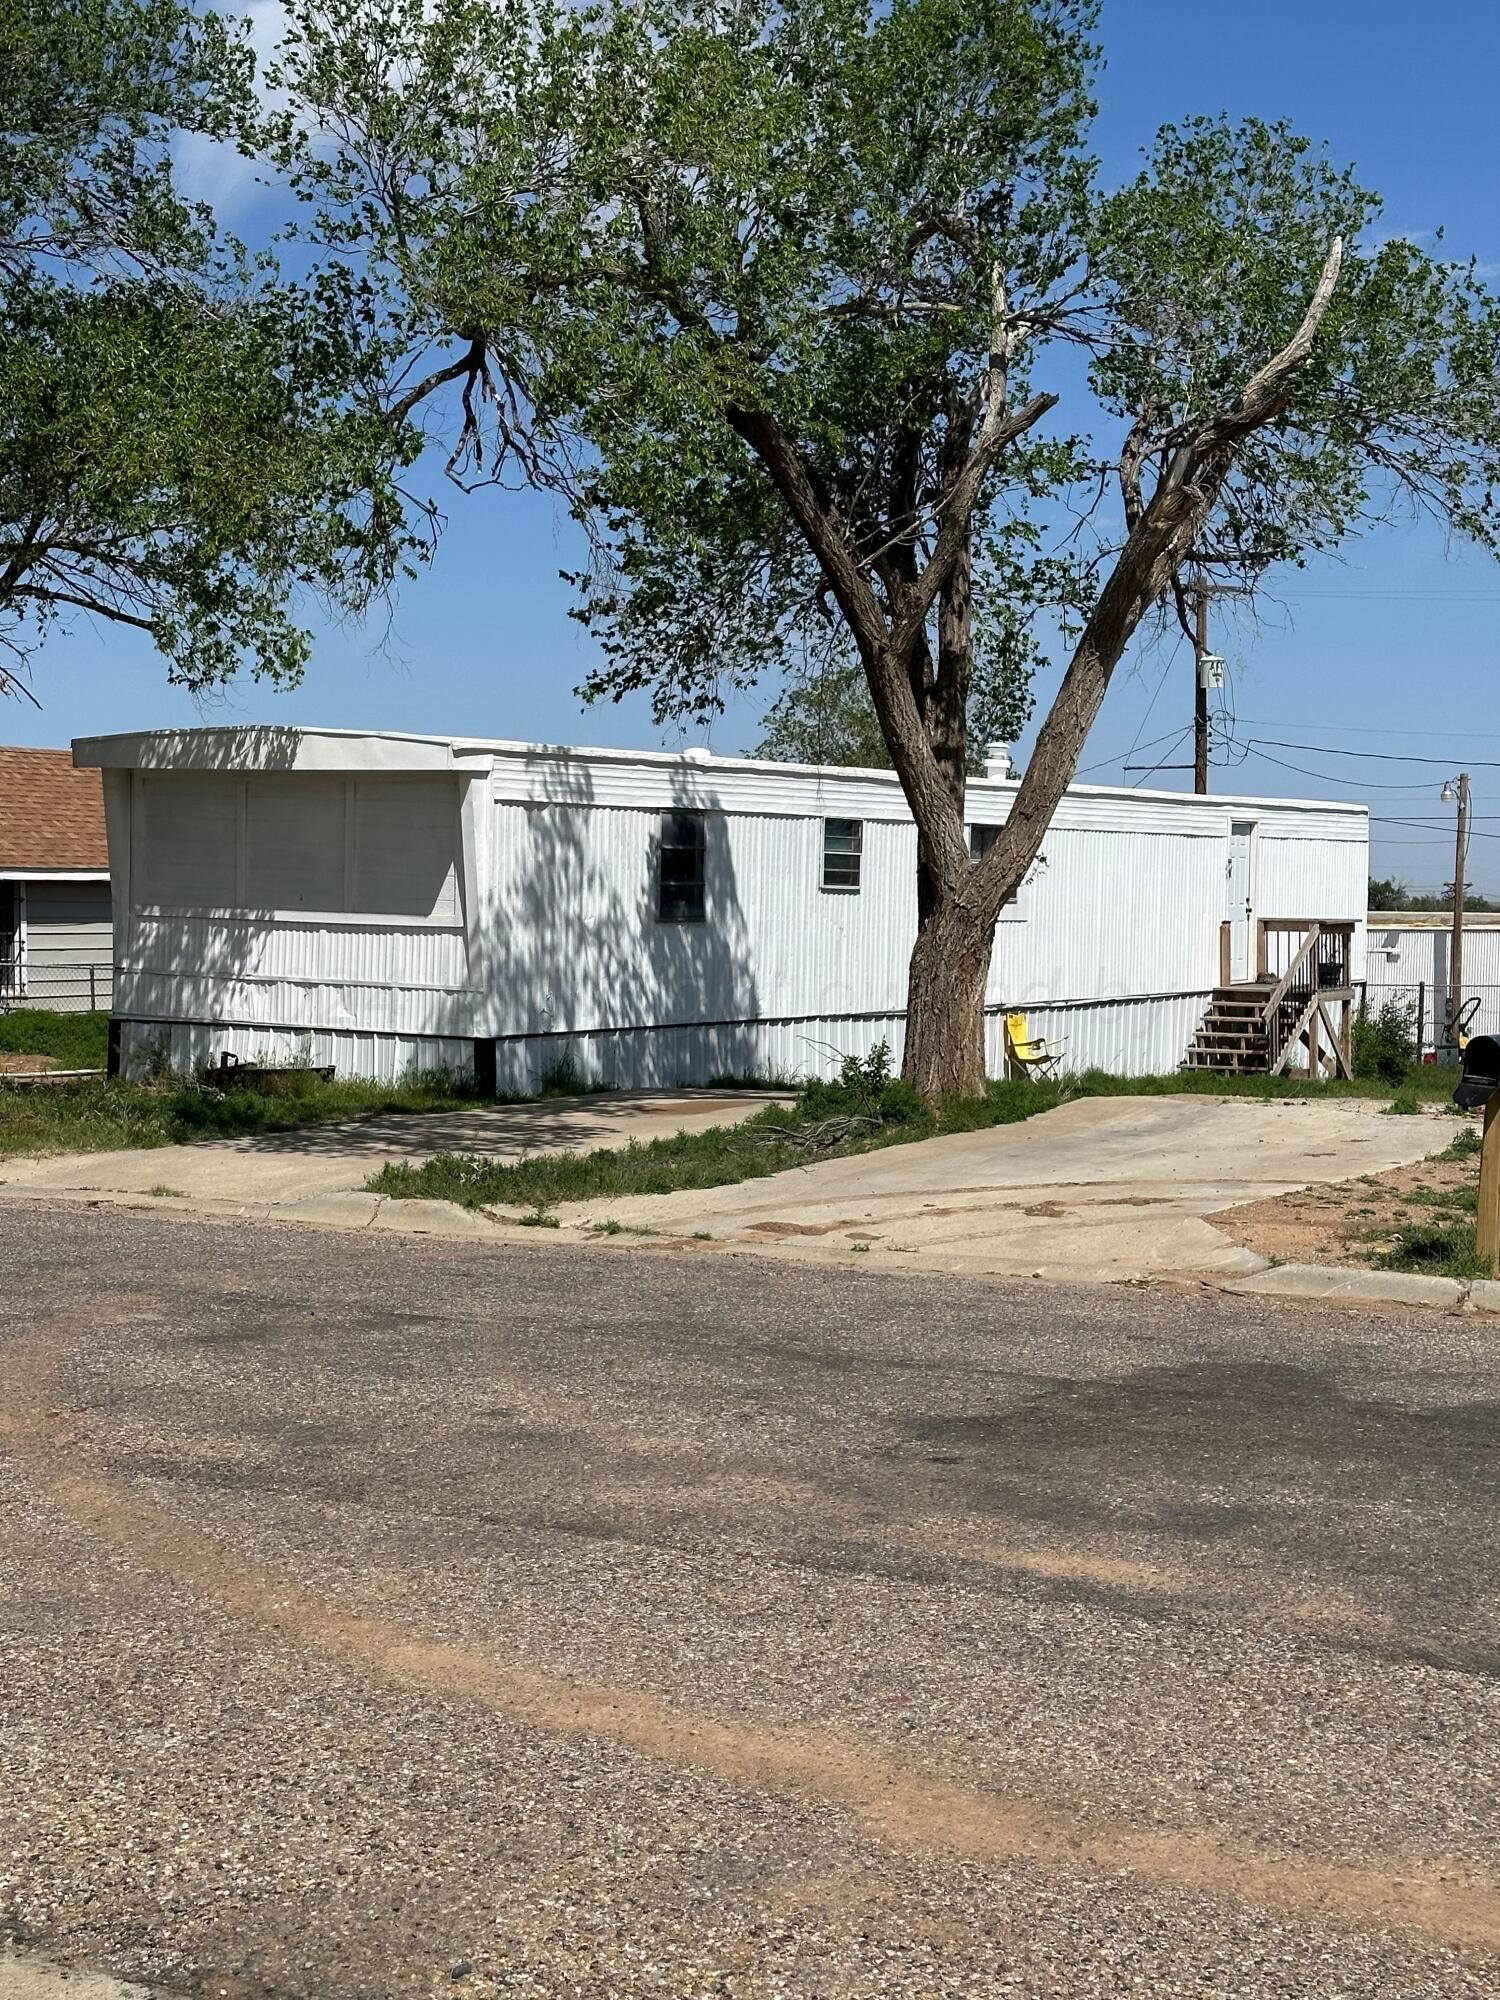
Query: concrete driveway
[
  {"x": 383, "y": 1619},
  {"x": 1105, "y": 1187},
  {"x": 318, "y": 1175}
]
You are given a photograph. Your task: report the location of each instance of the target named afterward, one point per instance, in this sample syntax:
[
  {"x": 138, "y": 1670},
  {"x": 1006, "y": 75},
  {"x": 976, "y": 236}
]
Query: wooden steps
[{"x": 1232, "y": 1040}]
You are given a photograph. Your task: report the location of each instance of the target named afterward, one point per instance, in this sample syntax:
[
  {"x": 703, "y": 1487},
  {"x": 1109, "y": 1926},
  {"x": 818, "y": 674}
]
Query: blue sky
[{"x": 1393, "y": 652}]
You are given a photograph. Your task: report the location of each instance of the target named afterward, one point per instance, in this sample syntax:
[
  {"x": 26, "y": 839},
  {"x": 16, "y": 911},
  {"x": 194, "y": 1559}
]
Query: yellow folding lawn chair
[{"x": 1027, "y": 1054}]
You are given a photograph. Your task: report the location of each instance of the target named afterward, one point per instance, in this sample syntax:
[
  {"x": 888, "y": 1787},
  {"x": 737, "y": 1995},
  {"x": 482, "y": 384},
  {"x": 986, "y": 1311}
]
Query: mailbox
[{"x": 1481, "y": 1073}]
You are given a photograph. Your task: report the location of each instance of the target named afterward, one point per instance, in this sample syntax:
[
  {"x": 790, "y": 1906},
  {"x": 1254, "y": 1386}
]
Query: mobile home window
[
  {"x": 679, "y": 869},
  {"x": 981, "y": 840},
  {"x": 843, "y": 840}
]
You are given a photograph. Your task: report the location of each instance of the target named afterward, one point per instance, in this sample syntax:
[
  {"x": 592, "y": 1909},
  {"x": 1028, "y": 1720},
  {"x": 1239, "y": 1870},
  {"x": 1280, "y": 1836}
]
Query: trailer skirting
[{"x": 1132, "y": 1035}]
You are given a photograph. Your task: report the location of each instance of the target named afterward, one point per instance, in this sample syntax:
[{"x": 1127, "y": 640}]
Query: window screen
[
  {"x": 294, "y": 836},
  {"x": 406, "y": 847},
  {"x": 843, "y": 840},
  {"x": 192, "y": 840},
  {"x": 679, "y": 870}
]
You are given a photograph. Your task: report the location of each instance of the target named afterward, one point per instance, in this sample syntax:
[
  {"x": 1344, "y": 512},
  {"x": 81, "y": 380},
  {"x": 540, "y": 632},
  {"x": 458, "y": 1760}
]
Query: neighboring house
[
  {"x": 1408, "y": 961},
  {"x": 384, "y": 901},
  {"x": 56, "y": 931}
]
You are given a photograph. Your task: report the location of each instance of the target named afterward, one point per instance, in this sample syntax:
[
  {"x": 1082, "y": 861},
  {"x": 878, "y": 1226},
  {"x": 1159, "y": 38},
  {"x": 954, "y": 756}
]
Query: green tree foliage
[
  {"x": 1386, "y": 893},
  {"x": 178, "y": 448},
  {"x": 817, "y": 314},
  {"x": 829, "y": 718}
]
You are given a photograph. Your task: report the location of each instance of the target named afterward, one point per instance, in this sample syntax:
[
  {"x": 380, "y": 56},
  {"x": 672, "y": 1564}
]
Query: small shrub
[
  {"x": 1405, "y": 1104},
  {"x": 1465, "y": 1145},
  {"x": 1385, "y": 1044},
  {"x": 865, "y": 1087},
  {"x": 564, "y": 1078}
]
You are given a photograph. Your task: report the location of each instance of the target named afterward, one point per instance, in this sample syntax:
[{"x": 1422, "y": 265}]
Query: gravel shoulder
[{"x": 380, "y": 1616}]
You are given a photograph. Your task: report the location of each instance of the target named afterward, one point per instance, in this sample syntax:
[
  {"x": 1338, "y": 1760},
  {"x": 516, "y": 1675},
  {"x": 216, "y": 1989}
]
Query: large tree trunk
[{"x": 950, "y": 965}]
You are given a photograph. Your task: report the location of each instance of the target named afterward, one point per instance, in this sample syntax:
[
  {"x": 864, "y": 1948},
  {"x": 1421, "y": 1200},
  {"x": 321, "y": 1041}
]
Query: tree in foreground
[
  {"x": 819, "y": 317},
  {"x": 179, "y": 448}
]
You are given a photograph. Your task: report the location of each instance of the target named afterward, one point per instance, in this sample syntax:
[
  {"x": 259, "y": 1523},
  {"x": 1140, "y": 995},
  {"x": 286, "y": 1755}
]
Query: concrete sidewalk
[
  {"x": 1102, "y": 1188},
  {"x": 319, "y": 1175}
]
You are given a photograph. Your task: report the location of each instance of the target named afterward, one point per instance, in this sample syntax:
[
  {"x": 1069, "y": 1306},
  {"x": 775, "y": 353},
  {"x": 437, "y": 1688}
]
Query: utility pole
[
  {"x": 1200, "y": 694},
  {"x": 1456, "y": 950}
]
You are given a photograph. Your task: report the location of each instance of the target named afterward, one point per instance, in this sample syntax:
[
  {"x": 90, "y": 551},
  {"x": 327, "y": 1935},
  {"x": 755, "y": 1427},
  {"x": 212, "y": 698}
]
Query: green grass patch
[
  {"x": 866, "y": 1110},
  {"x": 1465, "y": 1145},
  {"x": 104, "y": 1116},
  {"x": 1441, "y": 1250},
  {"x": 72, "y": 1041}
]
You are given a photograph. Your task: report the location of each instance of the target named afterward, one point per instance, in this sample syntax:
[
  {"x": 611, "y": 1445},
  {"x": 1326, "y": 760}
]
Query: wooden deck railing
[{"x": 1311, "y": 961}]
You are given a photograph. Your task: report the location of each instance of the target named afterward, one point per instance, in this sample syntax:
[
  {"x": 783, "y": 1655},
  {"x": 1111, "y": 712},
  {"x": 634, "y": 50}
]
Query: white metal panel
[
  {"x": 187, "y": 846},
  {"x": 406, "y": 845},
  {"x": 294, "y": 843},
  {"x": 235, "y": 946}
]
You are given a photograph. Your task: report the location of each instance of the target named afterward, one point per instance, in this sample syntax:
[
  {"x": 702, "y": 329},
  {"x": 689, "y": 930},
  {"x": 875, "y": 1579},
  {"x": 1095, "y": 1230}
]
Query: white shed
[{"x": 384, "y": 902}]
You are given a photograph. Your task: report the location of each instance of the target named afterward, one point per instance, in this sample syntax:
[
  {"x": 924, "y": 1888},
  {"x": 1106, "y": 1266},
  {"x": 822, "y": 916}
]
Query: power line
[
  {"x": 1370, "y": 756},
  {"x": 1171, "y": 736},
  {"x": 1424, "y": 823},
  {"x": 1401, "y": 596},
  {"x": 1351, "y": 729},
  {"x": 1331, "y": 777}
]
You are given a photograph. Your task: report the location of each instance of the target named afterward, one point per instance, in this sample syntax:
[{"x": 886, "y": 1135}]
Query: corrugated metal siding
[
  {"x": 1129, "y": 1037},
  {"x": 228, "y": 948},
  {"x": 1112, "y": 946},
  {"x": 1411, "y": 966},
  {"x": 1331, "y": 877},
  {"x": 1106, "y": 916},
  {"x": 187, "y": 1046}
]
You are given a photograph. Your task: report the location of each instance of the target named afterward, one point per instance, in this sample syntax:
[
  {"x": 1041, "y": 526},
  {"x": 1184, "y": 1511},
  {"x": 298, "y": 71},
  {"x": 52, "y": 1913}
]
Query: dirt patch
[
  {"x": 1355, "y": 1222},
  {"x": 797, "y": 1228},
  {"x": 14, "y": 1062}
]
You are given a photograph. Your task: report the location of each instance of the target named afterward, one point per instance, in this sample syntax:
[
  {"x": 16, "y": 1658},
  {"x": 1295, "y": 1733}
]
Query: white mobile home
[
  {"x": 1409, "y": 960},
  {"x": 383, "y": 902}
]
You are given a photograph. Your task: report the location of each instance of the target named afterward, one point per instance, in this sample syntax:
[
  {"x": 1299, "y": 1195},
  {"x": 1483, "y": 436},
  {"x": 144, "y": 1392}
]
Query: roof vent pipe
[{"x": 997, "y": 760}]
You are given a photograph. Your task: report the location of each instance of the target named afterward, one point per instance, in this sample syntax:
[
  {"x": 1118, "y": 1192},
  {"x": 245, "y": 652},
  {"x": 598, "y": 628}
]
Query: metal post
[
  {"x": 1456, "y": 949},
  {"x": 1200, "y": 696}
]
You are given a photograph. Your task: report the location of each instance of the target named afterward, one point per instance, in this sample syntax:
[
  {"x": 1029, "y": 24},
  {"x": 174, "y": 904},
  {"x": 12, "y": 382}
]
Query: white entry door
[{"x": 1238, "y": 899}]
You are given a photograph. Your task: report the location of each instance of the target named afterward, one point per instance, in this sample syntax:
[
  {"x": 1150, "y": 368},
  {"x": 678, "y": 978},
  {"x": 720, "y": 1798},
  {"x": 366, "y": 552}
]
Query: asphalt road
[{"x": 387, "y": 1617}]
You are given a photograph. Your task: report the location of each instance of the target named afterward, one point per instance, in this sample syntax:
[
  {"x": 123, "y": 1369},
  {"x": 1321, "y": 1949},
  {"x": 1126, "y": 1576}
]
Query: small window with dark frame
[
  {"x": 843, "y": 842},
  {"x": 679, "y": 869},
  {"x": 981, "y": 840}
]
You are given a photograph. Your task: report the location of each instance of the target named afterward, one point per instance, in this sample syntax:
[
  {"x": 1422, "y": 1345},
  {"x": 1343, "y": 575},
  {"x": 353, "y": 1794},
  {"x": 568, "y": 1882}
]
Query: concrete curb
[{"x": 1338, "y": 1285}]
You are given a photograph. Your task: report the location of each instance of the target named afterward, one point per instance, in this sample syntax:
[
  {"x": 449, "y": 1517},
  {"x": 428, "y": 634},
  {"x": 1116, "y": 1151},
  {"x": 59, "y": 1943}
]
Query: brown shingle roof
[{"x": 51, "y": 816}]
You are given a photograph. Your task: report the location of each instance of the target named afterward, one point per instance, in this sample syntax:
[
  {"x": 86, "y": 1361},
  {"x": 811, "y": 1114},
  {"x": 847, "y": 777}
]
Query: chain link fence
[
  {"x": 1428, "y": 1003},
  {"x": 67, "y": 987}
]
